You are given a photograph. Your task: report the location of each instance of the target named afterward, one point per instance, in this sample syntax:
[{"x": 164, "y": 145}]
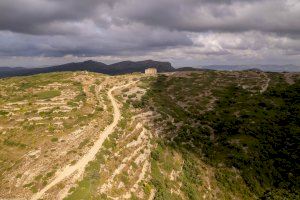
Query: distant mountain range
[
  {"x": 92, "y": 66},
  {"x": 139, "y": 66},
  {"x": 270, "y": 68}
]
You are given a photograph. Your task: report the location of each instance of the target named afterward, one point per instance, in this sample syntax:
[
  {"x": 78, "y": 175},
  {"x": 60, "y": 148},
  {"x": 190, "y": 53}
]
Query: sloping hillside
[
  {"x": 178, "y": 135},
  {"x": 237, "y": 132}
]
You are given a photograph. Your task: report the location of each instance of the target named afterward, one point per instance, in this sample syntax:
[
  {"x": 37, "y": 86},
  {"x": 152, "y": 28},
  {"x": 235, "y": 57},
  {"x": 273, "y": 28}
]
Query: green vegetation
[
  {"x": 13, "y": 143},
  {"x": 258, "y": 134},
  {"x": 3, "y": 112},
  {"x": 267, "y": 128},
  {"x": 83, "y": 143},
  {"x": 54, "y": 139},
  {"x": 92, "y": 89},
  {"x": 48, "y": 94}
]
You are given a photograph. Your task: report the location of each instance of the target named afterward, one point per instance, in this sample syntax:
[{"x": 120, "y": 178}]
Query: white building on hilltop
[{"x": 151, "y": 71}]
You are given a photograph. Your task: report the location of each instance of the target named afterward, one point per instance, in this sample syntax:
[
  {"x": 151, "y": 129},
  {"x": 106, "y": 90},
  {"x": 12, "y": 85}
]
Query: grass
[
  {"x": 229, "y": 180},
  {"x": 54, "y": 139},
  {"x": 86, "y": 188},
  {"x": 3, "y": 113},
  {"x": 83, "y": 143},
  {"x": 48, "y": 94},
  {"x": 11, "y": 143}
]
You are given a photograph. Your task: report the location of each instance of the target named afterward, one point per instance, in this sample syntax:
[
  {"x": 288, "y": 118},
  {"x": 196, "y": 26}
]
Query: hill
[
  {"x": 179, "y": 135},
  {"x": 243, "y": 126},
  {"x": 91, "y": 66}
]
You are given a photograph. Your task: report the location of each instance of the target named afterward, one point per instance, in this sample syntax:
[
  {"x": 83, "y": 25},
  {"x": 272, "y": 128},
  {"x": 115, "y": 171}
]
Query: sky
[{"x": 184, "y": 32}]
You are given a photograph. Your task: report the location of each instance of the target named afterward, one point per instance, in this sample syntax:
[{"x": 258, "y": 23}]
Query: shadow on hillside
[{"x": 256, "y": 134}]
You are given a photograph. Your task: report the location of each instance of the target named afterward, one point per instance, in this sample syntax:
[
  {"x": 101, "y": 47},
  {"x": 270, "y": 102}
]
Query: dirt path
[
  {"x": 90, "y": 155},
  {"x": 152, "y": 194},
  {"x": 265, "y": 87}
]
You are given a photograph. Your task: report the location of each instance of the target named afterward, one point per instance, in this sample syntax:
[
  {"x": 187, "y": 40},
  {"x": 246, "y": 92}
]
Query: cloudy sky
[{"x": 185, "y": 32}]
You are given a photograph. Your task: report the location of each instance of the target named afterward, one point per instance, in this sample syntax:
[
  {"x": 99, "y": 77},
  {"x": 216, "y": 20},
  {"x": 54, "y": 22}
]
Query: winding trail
[
  {"x": 265, "y": 87},
  {"x": 90, "y": 155}
]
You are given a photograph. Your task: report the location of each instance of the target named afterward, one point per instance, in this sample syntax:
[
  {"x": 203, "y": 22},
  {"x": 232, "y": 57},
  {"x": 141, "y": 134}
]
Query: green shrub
[
  {"x": 54, "y": 139},
  {"x": 3, "y": 112},
  {"x": 48, "y": 94},
  {"x": 266, "y": 126}
]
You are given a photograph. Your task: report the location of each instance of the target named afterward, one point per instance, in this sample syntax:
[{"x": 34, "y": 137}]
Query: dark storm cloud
[
  {"x": 229, "y": 16},
  {"x": 141, "y": 27},
  {"x": 116, "y": 41},
  {"x": 33, "y": 16}
]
